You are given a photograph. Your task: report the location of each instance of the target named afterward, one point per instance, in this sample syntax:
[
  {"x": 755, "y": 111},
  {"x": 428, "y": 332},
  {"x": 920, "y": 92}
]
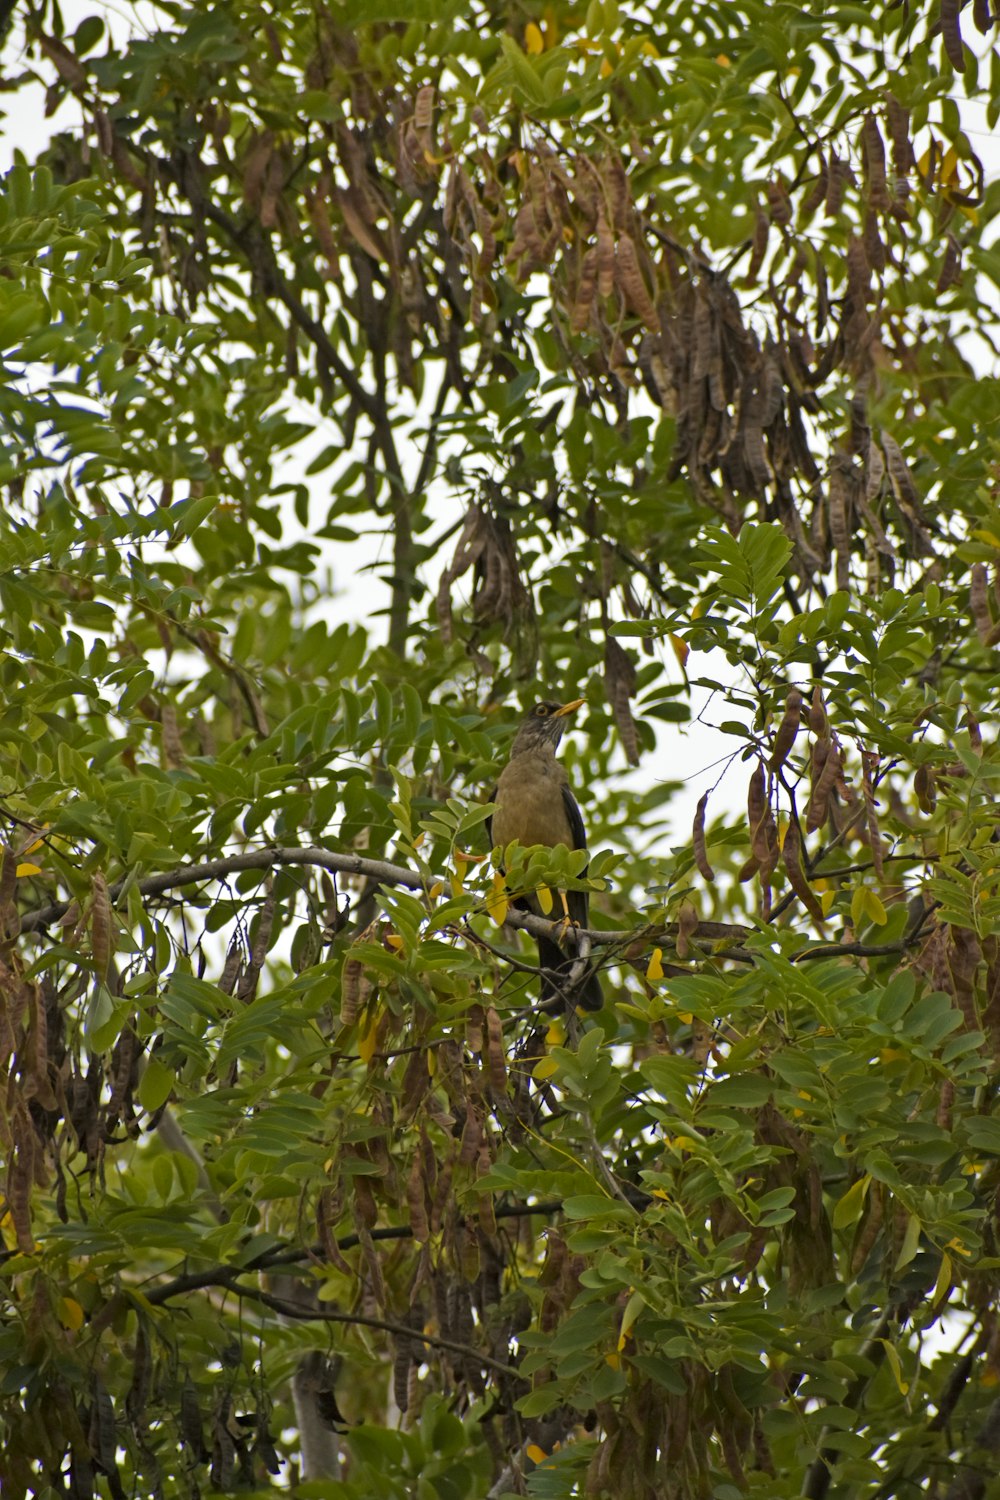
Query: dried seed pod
[
  {"x": 586, "y": 289},
  {"x": 474, "y": 1029},
  {"x": 495, "y": 1053},
  {"x": 364, "y": 1201},
  {"x": 826, "y": 769},
  {"x": 472, "y": 1135},
  {"x": 487, "y": 1212},
  {"x": 416, "y": 1201},
  {"x": 758, "y": 250},
  {"x": 818, "y": 721},
  {"x": 868, "y": 763},
  {"x": 633, "y": 284},
  {"x": 687, "y": 926},
  {"x": 925, "y": 789},
  {"x": 353, "y": 990},
  {"x": 873, "y": 156},
  {"x": 974, "y": 732},
  {"x": 784, "y": 739},
  {"x": 979, "y": 602},
  {"x": 698, "y": 840},
  {"x": 757, "y": 810},
  {"x": 778, "y": 202},
  {"x": 791, "y": 855},
  {"x": 100, "y": 925},
  {"x": 605, "y": 258}
]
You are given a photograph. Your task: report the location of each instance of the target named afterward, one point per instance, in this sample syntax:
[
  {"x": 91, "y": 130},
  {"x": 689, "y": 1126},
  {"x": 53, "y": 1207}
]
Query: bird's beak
[{"x": 569, "y": 708}]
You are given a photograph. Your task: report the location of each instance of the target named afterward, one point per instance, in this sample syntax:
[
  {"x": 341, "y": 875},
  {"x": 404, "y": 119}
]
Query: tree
[{"x": 636, "y": 334}]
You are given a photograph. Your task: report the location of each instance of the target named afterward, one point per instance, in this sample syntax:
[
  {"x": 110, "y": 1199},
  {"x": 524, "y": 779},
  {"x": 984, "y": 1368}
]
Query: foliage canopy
[{"x": 654, "y": 344}]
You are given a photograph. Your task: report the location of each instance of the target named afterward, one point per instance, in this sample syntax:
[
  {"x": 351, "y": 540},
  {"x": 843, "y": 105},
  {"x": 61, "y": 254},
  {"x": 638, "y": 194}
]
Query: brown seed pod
[
  {"x": 100, "y": 925},
  {"x": 791, "y": 855},
  {"x": 698, "y": 840},
  {"x": 828, "y": 767},
  {"x": 472, "y": 1135},
  {"x": 586, "y": 289},
  {"x": 355, "y": 988},
  {"x": 979, "y": 601},
  {"x": 757, "y": 808},
  {"x": 495, "y": 1053},
  {"x": 474, "y": 1029},
  {"x": 687, "y": 926},
  {"x": 416, "y": 1201},
  {"x": 818, "y": 721},
  {"x": 925, "y": 789},
  {"x": 787, "y": 730},
  {"x": 633, "y": 284},
  {"x": 868, "y": 763}
]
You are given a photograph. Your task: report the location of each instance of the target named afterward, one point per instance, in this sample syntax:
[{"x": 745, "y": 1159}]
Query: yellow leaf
[
  {"x": 536, "y": 1454},
  {"x": 683, "y": 1143},
  {"x": 723, "y": 61},
  {"x": 544, "y": 899},
  {"x": 614, "y": 1360},
  {"x": 681, "y": 649},
  {"x": 556, "y": 1034},
  {"x": 70, "y": 1314},
  {"x": 458, "y": 879},
  {"x": 633, "y": 1308},
  {"x": 394, "y": 941},
  {"x": 847, "y": 1210},
  {"x": 826, "y": 900},
  {"x": 28, "y": 869},
  {"x": 911, "y": 1243},
  {"x": 948, "y": 171},
  {"x": 35, "y": 843},
  {"x": 534, "y": 42},
  {"x": 943, "y": 1284},
  {"x": 546, "y": 1067},
  {"x": 606, "y": 68},
  {"x": 432, "y": 1061},
  {"x": 435, "y": 890},
  {"x": 367, "y": 1035},
  {"x": 649, "y": 49},
  {"x": 654, "y": 969},
  {"x": 894, "y": 1365},
  {"x": 496, "y": 898},
  {"x": 968, "y": 212},
  {"x": 876, "y": 910},
  {"x": 988, "y": 536},
  {"x": 686, "y": 1017},
  {"x": 697, "y": 609}
]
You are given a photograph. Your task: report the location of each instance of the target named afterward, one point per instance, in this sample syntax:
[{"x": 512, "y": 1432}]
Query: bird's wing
[
  {"x": 575, "y": 819},
  {"x": 577, "y": 901},
  {"x": 489, "y": 821}
]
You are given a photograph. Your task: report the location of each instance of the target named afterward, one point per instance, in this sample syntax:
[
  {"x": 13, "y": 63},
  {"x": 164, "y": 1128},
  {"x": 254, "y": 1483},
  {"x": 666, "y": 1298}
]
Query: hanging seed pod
[
  {"x": 416, "y": 1201},
  {"x": 687, "y": 926},
  {"x": 757, "y": 810},
  {"x": 826, "y": 769},
  {"x": 974, "y": 732},
  {"x": 698, "y": 840},
  {"x": 818, "y": 721},
  {"x": 495, "y": 1053},
  {"x": 979, "y": 602},
  {"x": 868, "y": 764},
  {"x": 791, "y": 855},
  {"x": 925, "y": 789},
  {"x": 100, "y": 924},
  {"x": 787, "y": 730}
]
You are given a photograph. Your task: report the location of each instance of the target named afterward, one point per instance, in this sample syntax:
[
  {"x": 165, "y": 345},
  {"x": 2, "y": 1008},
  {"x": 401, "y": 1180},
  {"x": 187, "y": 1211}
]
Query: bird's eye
[{"x": 542, "y": 711}]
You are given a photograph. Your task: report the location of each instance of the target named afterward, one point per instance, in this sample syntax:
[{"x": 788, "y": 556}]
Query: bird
[{"x": 533, "y": 804}]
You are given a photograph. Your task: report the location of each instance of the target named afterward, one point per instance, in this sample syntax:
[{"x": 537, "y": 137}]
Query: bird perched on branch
[{"x": 534, "y": 805}]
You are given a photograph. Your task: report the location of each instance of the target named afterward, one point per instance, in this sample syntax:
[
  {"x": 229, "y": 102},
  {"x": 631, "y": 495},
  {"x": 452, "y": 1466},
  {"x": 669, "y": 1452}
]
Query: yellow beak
[{"x": 569, "y": 708}]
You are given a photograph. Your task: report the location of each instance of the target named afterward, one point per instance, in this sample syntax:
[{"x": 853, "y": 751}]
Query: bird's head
[{"x": 542, "y": 728}]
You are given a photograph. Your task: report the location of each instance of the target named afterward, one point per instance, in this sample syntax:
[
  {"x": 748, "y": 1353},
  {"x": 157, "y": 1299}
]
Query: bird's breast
[{"x": 529, "y": 803}]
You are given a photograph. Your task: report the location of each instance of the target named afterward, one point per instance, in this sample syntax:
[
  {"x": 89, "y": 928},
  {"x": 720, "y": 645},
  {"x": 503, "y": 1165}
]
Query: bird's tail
[{"x": 556, "y": 971}]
